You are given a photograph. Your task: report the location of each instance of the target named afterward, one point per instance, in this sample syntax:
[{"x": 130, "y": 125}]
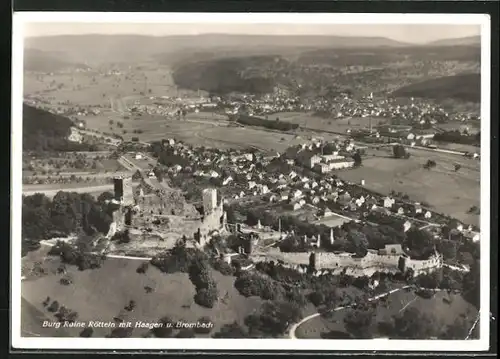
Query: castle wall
[{"x": 337, "y": 263}]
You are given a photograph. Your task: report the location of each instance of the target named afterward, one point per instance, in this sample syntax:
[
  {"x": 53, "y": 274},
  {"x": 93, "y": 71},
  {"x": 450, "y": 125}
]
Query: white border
[{"x": 19, "y": 19}]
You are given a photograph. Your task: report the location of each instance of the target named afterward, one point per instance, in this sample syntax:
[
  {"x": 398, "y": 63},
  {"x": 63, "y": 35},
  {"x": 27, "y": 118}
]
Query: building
[
  {"x": 123, "y": 190},
  {"x": 209, "y": 200}
]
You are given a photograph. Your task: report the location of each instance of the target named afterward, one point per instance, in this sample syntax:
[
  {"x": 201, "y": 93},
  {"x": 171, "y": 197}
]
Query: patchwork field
[
  {"x": 444, "y": 308},
  {"x": 102, "y": 294},
  {"x": 442, "y": 188}
]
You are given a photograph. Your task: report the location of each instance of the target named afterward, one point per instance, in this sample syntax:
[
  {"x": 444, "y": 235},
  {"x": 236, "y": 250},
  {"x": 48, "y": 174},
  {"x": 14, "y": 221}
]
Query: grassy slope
[
  {"x": 102, "y": 293},
  {"x": 443, "y": 313}
]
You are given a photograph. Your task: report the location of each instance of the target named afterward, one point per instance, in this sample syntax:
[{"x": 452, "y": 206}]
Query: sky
[{"x": 414, "y": 33}]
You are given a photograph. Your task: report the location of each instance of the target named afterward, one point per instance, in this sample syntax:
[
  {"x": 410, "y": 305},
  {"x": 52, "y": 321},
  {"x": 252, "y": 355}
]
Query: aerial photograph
[{"x": 236, "y": 180}]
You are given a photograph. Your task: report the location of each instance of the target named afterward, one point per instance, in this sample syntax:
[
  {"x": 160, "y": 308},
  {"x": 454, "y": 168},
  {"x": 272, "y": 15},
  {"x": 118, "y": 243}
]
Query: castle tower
[
  {"x": 318, "y": 241},
  {"x": 332, "y": 240},
  {"x": 209, "y": 200},
  {"x": 259, "y": 225},
  {"x": 123, "y": 190}
]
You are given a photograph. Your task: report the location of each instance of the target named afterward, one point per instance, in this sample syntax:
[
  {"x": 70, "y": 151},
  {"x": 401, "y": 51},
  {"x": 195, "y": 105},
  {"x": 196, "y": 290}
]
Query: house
[
  {"x": 389, "y": 202},
  {"x": 322, "y": 168},
  {"x": 138, "y": 156},
  {"x": 406, "y": 226},
  {"x": 427, "y": 215},
  {"x": 227, "y": 181},
  {"x": 340, "y": 164},
  {"x": 297, "y": 194},
  {"x": 401, "y": 211},
  {"x": 251, "y": 184}
]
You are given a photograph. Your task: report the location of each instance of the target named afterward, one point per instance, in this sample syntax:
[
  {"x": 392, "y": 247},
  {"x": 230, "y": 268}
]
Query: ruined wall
[
  {"x": 337, "y": 262},
  {"x": 423, "y": 266}
]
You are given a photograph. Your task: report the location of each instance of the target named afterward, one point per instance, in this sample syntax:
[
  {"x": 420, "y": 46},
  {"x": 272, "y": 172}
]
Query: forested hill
[
  {"x": 465, "y": 87},
  {"x": 45, "y": 131},
  {"x": 251, "y": 74}
]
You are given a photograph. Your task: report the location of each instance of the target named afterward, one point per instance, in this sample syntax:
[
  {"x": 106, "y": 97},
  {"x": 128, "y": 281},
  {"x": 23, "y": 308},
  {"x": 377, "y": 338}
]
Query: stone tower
[
  {"x": 209, "y": 200},
  {"x": 123, "y": 190}
]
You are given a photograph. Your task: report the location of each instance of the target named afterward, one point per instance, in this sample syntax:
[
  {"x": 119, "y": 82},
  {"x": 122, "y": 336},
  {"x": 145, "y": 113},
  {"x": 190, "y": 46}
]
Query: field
[
  {"x": 442, "y": 312},
  {"x": 333, "y": 221},
  {"x": 101, "y": 294},
  {"x": 313, "y": 122},
  {"x": 445, "y": 190}
]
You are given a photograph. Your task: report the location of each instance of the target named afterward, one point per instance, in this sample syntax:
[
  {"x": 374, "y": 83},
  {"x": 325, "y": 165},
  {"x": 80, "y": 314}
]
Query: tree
[
  {"x": 86, "y": 333},
  {"x": 457, "y": 167},
  {"x": 358, "y": 161},
  {"x": 54, "y": 307},
  {"x": 273, "y": 319},
  {"x": 399, "y": 151},
  {"x": 412, "y": 324},
  {"x": 206, "y": 297},
  {"x": 205, "y": 327},
  {"x": 165, "y": 329},
  {"x": 358, "y": 322},
  {"x": 233, "y": 331}
]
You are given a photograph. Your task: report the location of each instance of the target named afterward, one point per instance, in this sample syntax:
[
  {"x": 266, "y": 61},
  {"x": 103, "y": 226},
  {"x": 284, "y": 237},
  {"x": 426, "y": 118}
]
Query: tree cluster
[
  {"x": 273, "y": 319},
  {"x": 274, "y": 125},
  {"x": 63, "y": 215}
]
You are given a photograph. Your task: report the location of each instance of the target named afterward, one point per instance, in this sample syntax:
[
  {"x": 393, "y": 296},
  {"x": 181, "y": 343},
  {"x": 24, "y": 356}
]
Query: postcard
[{"x": 296, "y": 181}]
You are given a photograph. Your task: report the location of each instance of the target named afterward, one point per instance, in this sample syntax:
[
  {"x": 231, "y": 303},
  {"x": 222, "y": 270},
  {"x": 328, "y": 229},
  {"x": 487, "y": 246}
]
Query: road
[
  {"x": 294, "y": 327},
  {"x": 52, "y": 192}
]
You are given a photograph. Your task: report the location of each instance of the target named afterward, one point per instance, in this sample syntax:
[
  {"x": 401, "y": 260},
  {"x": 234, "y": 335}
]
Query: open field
[
  {"x": 101, "y": 294},
  {"x": 333, "y": 220},
  {"x": 442, "y": 312},
  {"x": 310, "y": 121},
  {"x": 97, "y": 87},
  {"x": 447, "y": 191}
]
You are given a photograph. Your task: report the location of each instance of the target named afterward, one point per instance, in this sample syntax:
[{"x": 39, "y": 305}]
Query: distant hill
[
  {"x": 37, "y": 60},
  {"x": 118, "y": 47},
  {"x": 461, "y": 41},
  {"x": 251, "y": 74},
  {"x": 466, "y": 87},
  {"x": 45, "y": 131}
]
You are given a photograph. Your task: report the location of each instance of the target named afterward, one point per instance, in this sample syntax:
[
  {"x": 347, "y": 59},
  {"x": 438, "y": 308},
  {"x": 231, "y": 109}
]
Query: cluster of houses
[{"x": 313, "y": 156}]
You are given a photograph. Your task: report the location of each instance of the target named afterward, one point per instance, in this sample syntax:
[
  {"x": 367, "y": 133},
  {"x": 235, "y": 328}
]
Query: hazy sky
[{"x": 418, "y": 33}]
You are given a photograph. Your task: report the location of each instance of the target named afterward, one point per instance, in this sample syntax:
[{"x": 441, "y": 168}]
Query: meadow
[
  {"x": 101, "y": 294},
  {"x": 444, "y": 189}
]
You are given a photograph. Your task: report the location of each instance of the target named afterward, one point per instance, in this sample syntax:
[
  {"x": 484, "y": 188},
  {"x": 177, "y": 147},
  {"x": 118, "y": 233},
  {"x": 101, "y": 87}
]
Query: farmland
[
  {"x": 340, "y": 125},
  {"x": 445, "y": 190},
  {"x": 101, "y": 294},
  {"x": 444, "y": 308}
]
